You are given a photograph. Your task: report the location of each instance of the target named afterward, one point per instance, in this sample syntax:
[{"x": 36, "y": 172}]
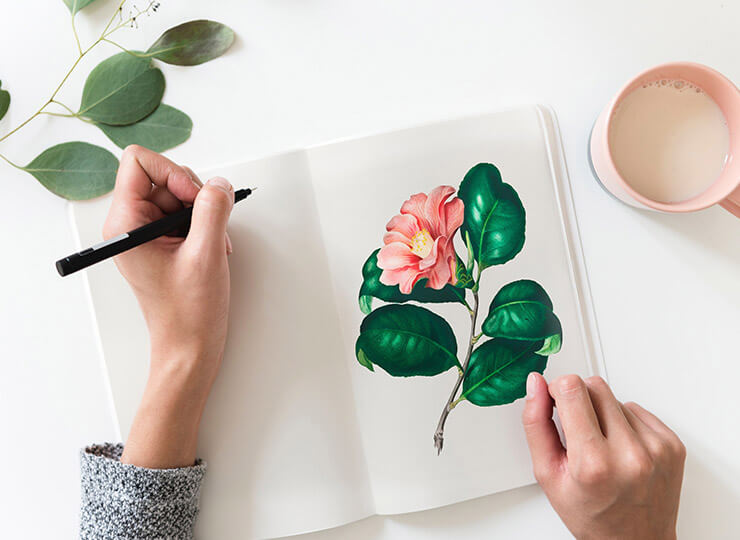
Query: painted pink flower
[{"x": 419, "y": 242}]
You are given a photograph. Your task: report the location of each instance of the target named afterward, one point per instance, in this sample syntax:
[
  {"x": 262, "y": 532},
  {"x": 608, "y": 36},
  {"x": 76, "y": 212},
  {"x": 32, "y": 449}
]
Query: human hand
[
  {"x": 620, "y": 477},
  {"x": 182, "y": 285}
]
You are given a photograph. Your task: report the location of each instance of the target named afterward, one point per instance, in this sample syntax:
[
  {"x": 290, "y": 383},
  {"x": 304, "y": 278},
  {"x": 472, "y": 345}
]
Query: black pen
[{"x": 179, "y": 221}]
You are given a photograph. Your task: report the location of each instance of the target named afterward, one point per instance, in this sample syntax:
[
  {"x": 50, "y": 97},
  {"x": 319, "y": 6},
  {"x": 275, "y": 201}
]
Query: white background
[{"x": 666, "y": 288}]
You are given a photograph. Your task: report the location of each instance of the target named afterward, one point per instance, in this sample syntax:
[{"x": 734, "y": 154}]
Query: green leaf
[
  {"x": 406, "y": 341},
  {"x": 373, "y": 288},
  {"x": 494, "y": 216},
  {"x": 192, "y": 43},
  {"x": 4, "y": 101},
  {"x": 497, "y": 373},
  {"x": 362, "y": 359},
  {"x": 165, "y": 128},
  {"x": 122, "y": 90},
  {"x": 75, "y": 170},
  {"x": 522, "y": 310},
  {"x": 551, "y": 345},
  {"x": 76, "y": 5},
  {"x": 464, "y": 279}
]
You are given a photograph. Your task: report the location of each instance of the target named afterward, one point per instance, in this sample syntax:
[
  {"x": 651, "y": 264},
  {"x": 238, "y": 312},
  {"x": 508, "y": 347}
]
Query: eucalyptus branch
[
  {"x": 107, "y": 31},
  {"x": 439, "y": 433}
]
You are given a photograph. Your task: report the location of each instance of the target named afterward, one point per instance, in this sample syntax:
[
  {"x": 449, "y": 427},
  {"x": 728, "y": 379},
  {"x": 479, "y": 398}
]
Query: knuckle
[
  {"x": 214, "y": 197},
  {"x": 568, "y": 385},
  {"x": 530, "y": 418},
  {"x": 638, "y": 465},
  {"x": 593, "y": 468},
  {"x": 596, "y": 382},
  {"x": 679, "y": 449},
  {"x": 131, "y": 151},
  {"x": 541, "y": 473}
]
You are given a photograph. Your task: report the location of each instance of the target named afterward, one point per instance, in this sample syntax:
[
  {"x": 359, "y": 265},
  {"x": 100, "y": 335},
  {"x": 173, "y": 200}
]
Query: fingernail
[
  {"x": 531, "y": 385},
  {"x": 229, "y": 246},
  {"x": 221, "y": 183}
]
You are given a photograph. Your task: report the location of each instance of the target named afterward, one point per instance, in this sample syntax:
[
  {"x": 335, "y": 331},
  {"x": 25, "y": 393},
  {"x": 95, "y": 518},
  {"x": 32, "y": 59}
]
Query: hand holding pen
[{"x": 182, "y": 285}]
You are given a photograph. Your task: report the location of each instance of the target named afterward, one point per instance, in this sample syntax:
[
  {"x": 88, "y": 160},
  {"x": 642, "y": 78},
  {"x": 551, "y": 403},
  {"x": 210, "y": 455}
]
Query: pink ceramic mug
[{"x": 726, "y": 188}]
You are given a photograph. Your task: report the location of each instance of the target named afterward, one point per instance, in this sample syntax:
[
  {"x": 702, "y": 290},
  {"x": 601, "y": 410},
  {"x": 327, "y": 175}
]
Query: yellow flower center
[{"x": 421, "y": 243}]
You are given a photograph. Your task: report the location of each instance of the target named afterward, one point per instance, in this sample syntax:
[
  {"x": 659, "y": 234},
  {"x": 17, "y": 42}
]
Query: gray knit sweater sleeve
[{"x": 121, "y": 501}]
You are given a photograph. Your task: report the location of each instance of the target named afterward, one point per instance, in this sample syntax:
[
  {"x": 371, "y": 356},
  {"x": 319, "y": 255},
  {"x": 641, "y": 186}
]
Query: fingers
[
  {"x": 542, "y": 436},
  {"x": 140, "y": 168},
  {"x": 211, "y": 211},
  {"x": 637, "y": 425},
  {"x": 608, "y": 410},
  {"x": 196, "y": 179},
  {"x": 577, "y": 415},
  {"x": 165, "y": 200},
  {"x": 660, "y": 440}
]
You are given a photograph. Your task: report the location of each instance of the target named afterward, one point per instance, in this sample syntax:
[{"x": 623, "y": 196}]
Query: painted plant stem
[{"x": 440, "y": 432}]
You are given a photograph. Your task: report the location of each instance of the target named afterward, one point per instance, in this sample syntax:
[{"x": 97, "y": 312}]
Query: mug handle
[{"x": 732, "y": 203}]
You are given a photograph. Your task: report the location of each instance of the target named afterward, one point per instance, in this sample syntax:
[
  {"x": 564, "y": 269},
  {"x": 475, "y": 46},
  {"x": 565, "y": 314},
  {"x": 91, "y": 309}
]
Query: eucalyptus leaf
[
  {"x": 75, "y": 170},
  {"x": 522, "y": 310},
  {"x": 494, "y": 216},
  {"x": 373, "y": 288},
  {"x": 122, "y": 90},
  {"x": 498, "y": 370},
  {"x": 76, "y": 5},
  {"x": 4, "y": 101},
  {"x": 192, "y": 43},
  {"x": 165, "y": 128},
  {"x": 406, "y": 341}
]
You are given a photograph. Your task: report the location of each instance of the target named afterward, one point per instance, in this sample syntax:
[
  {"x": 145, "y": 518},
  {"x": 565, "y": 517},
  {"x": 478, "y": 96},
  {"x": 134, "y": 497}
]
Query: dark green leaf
[
  {"x": 406, "y": 341},
  {"x": 122, "y": 90},
  {"x": 497, "y": 373},
  {"x": 192, "y": 43},
  {"x": 372, "y": 287},
  {"x": 4, "y": 101},
  {"x": 522, "y": 310},
  {"x": 494, "y": 216},
  {"x": 75, "y": 170},
  {"x": 165, "y": 128},
  {"x": 76, "y": 5}
]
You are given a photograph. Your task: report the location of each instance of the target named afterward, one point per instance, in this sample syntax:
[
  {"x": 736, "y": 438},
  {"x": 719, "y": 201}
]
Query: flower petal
[
  {"x": 439, "y": 274},
  {"x": 431, "y": 259},
  {"x": 405, "y": 278},
  {"x": 415, "y": 207},
  {"x": 396, "y": 255},
  {"x": 404, "y": 224},
  {"x": 454, "y": 212},
  {"x": 395, "y": 236},
  {"x": 433, "y": 209}
]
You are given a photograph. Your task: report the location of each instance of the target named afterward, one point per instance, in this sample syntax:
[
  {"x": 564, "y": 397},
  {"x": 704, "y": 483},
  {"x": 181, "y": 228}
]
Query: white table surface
[{"x": 666, "y": 288}]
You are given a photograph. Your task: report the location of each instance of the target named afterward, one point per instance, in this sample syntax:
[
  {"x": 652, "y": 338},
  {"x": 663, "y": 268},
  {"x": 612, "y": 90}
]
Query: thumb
[
  {"x": 542, "y": 435},
  {"x": 211, "y": 210}
]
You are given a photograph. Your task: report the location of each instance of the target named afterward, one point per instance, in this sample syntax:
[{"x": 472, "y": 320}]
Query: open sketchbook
[{"x": 298, "y": 435}]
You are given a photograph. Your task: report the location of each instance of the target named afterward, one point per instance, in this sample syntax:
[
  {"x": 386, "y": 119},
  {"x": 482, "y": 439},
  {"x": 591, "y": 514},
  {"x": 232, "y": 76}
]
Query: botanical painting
[{"x": 419, "y": 265}]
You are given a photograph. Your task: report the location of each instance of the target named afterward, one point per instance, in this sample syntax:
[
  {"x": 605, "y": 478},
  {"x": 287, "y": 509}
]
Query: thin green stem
[
  {"x": 124, "y": 49},
  {"x": 64, "y": 106},
  {"x": 77, "y": 37},
  {"x": 11, "y": 163},
  {"x": 60, "y": 115},
  {"x": 113, "y": 17}
]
